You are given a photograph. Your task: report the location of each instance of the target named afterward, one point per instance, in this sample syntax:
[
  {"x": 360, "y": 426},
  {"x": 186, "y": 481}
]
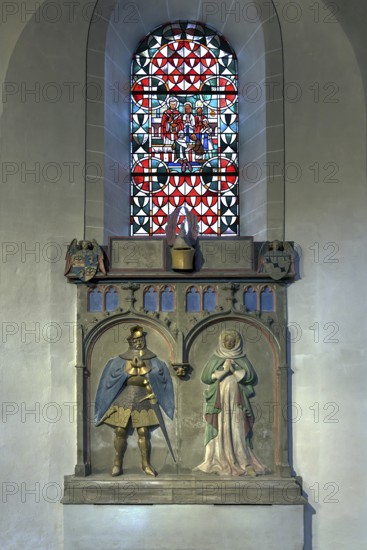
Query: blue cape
[{"x": 114, "y": 378}]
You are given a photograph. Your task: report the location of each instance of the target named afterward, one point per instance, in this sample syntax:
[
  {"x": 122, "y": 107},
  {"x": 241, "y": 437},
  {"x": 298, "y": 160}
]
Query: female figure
[
  {"x": 229, "y": 417},
  {"x": 206, "y": 133}
]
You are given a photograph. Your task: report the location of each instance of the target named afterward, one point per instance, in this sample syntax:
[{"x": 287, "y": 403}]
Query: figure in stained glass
[
  {"x": 199, "y": 117},
  {"x": 181, "y": 148},
  {"x": 198, "y": 148},
  {"x": 171, "y": 121},
  {"x": 206, "y": 135},
  {"x": 188, "y": 120}
]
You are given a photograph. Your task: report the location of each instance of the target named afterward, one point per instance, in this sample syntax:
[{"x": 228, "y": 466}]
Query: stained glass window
[{"x": 184, "y": 129}]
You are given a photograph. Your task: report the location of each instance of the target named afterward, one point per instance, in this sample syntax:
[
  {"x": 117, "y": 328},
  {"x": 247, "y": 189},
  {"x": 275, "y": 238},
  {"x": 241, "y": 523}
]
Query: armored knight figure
[{"x": 132, "y": 388}]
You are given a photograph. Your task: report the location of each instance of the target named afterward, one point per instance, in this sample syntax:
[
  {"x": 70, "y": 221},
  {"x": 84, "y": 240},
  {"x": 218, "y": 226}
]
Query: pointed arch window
[
  {"x": 193, "y": 300},
  {"x": 267, "y": 299},
  {"x": 111, "y": 299},
  {"x": 184, "y": 129},
  {"x": 250, "y": 299},
  {"x": 95, "y": 300},
  {"x": 167, "y": 299},
  {"x": 209, "y": 299},
  {"x": 151, "y": 299}
]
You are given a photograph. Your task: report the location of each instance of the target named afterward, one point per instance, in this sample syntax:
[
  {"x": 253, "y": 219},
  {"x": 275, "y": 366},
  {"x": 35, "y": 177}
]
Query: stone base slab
[{"x": 185, "y": 489}]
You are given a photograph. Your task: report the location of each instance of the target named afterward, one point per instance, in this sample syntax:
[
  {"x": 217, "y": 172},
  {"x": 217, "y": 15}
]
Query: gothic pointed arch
[{"x": 116, "y": 30}]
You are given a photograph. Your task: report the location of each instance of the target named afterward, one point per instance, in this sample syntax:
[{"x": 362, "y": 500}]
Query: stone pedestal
[{"x": 180, "y": 527}]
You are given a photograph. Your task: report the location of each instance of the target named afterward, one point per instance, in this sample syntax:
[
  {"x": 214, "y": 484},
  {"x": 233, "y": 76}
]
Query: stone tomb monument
[{"x": 182, "y": 373}]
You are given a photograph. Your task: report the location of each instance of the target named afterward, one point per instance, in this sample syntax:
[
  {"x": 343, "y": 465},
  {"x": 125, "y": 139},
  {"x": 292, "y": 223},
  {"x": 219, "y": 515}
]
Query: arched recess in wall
[{"x": 254, "y": 33}]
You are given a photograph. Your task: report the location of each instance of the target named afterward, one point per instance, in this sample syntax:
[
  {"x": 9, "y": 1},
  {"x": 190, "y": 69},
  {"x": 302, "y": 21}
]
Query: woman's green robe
[{"x": 213, "y": 399}]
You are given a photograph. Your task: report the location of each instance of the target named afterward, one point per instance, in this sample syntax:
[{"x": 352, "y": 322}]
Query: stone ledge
[{"x": 183, "y": 489}]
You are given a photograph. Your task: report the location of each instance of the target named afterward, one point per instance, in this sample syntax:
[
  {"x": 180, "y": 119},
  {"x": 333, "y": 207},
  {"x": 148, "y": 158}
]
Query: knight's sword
[{"x": 162, "y": 425}]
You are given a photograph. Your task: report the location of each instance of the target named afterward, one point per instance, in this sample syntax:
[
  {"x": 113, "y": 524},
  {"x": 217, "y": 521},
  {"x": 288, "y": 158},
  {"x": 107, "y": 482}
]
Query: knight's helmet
[
  {"x": 136, "y": 332},
  {"x": 182, "y": 255}
]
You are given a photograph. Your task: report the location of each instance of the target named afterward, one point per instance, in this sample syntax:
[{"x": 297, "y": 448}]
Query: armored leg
[
  {"x": 119, "y": 443},
  {"x": 144, "y": 446}
]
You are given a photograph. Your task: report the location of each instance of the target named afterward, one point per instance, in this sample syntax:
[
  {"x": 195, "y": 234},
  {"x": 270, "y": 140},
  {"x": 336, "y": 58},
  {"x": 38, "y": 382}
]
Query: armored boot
[
  {"x": 144, "y": 446},
  {"x": 119, "y": 444}
]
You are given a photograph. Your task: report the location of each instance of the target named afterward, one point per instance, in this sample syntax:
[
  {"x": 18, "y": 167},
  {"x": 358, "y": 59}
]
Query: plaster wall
[
  {"x": 40, "y": 208},
  {"x": 42, "y": 136},
  {"x": 326, "y": 216}
]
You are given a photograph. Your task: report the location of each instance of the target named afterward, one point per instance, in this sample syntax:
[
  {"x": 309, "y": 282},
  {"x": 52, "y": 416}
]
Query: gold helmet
[{"x": 136, "y": 332}]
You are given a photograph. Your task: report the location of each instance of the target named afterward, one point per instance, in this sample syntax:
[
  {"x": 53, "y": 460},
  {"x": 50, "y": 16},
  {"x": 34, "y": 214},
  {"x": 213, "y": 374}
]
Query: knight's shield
[
  {"x": 84, "y": 264},
  {"x": 276, "y": 260}
]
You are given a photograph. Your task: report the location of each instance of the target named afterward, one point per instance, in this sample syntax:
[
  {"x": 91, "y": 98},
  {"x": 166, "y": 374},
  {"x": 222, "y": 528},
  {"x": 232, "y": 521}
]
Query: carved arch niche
[
  {"x": 107, "y": 340},
  {"x": 264, "y": 352}
]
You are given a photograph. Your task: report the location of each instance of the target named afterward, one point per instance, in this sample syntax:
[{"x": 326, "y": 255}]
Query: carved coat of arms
[
  {"x": 276, "y": 259},
  {"x": 84, "y": 259}
]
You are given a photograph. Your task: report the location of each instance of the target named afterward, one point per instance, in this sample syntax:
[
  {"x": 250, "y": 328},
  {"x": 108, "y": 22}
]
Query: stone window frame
[{"x": 112, "y": 40}]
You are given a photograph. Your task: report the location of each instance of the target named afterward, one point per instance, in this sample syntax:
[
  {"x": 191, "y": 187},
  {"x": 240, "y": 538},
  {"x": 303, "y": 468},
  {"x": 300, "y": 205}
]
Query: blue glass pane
[
  {"x": 95, "y": 300},
  {"x": 267, "y": 300},
  {"x": 167, "y": 300},
  {"x": 250, "y": 299},
  {"x": 209, "y": 300},
  {"x": 111, "y": 300},
  {"x": 150, "y": 300},
  {"x": 193, "y": 300}
]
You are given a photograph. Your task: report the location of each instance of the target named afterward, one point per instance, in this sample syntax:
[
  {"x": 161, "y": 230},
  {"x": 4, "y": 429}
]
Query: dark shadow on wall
[{"x": 308, "y": 512}]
